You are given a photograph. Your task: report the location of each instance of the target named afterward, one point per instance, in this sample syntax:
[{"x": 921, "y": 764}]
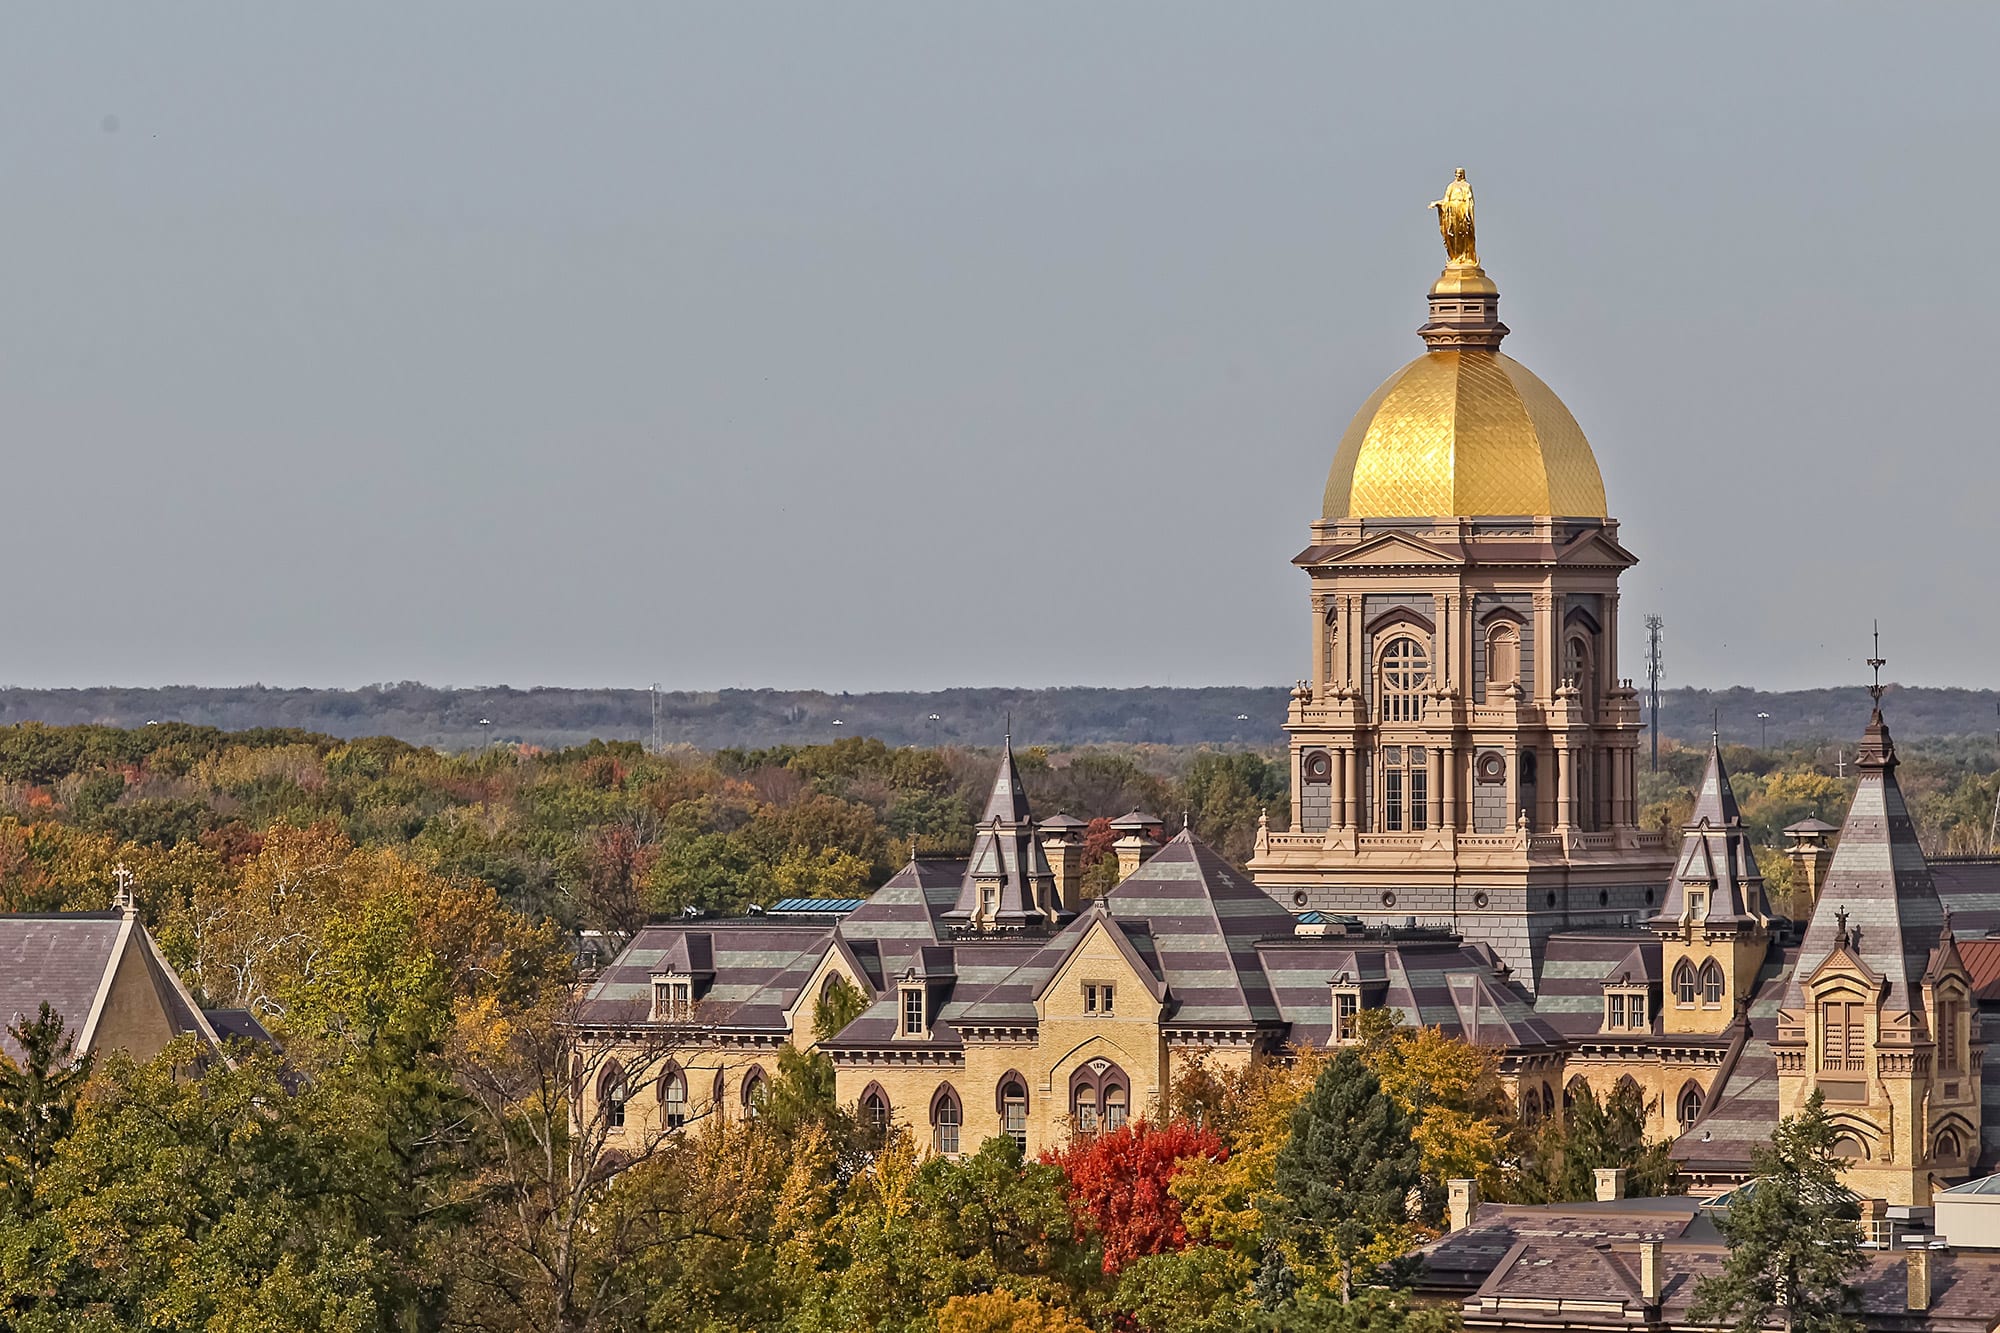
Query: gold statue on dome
[{"x": 1455, "y": 221}]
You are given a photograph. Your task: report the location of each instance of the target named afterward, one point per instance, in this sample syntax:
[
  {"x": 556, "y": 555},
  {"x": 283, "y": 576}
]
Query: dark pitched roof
[
  {"x": 755, "y": 972},
  {"x": 1465, "y": 1258},
  {"x": 58, "y": 958},
  {"x": 1204, "y": 920},
  {"x": 1880, "y": 880},
  {"x": 1444, "y": 984},
  {"x": 1742, "y": 1106},
  {"x": 1577, "y": 964}
]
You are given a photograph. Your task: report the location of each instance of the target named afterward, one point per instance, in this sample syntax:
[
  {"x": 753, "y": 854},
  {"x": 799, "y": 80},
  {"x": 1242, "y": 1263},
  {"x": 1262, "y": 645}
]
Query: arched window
[
  {"x": 945, "y": 1120},
  {"x": 611, "y": 1096},
  {"x": 1014, "y": 1111},
  {"x": 875, "y": 1111},
  {"x": 1548, "y": 1100},
  {"x": 1578, "y": 671},
  {"x": 1503, "y": 655},
  {"x": 753, "y": 1094},
  {"x": 1114, "y": 1106},
  {"x": 1531, "y": 1105},
  {"x": 1850, "y": 1149},
  {"x": 1573, "y": 1090},
  {"x": 673, "y": 1098},
  {"x": 1083, "y": 1110},
  {"x": 1404, "y": 674},
  {"x": 1947, "y": 1146},
  {"x": 1684, "y": 984},
  {"x": 1711, "y": 984},
  {"x": 718, "y": 1092},
  {"x": 1689, "y": 1106}
]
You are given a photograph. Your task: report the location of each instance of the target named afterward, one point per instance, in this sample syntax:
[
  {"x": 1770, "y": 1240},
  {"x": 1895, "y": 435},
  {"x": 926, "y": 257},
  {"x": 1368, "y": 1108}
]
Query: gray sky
[{"x": 867, "y": 346}]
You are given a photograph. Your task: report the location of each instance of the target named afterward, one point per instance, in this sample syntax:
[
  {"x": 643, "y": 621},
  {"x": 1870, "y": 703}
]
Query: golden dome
[{"x": 1464, "y": 431}]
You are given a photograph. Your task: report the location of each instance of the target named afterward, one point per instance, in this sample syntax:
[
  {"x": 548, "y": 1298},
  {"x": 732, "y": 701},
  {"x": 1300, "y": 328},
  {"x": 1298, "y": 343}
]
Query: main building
[{"x": 1463, "y": 848}]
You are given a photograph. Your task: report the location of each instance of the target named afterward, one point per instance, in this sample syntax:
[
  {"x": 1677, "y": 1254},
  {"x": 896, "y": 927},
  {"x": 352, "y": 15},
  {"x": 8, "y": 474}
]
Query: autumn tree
[
  {"x": 1004, "y": 1312},
  {"x": 1461, "y": 1120},
  {"x": 1345, "y": 1174},
  {"x": 1793, "y": 1238},
  {"x": 1119, "y": 1185}
]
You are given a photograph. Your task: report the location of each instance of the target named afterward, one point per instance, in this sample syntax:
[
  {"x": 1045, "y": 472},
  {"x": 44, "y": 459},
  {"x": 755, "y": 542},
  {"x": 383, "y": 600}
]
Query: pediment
[
  {"x": 1399, "y": 549},
  {"x": 1595, "y": 548},
  {"x": 1843, "y": 965}
]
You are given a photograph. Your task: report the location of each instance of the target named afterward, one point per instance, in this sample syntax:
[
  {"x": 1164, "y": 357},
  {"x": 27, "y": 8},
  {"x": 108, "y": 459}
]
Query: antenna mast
[
  {"x": 1654, "y": 665},
  {"x": 654, "y": 691}
]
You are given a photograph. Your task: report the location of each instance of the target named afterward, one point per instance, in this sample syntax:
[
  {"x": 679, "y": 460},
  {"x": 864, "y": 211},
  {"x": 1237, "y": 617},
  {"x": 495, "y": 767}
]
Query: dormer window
[
  {"x": 1625, "y": 1010},
  {"x": 673, "y": 998},
  {"x": 1097, "y": 997},
  {"x": 1697, "y": 904},
  {"x": 989, "y": 902},
  {"x": 1346, "y": 1015},
  {"x": 913, "y": 1011}
]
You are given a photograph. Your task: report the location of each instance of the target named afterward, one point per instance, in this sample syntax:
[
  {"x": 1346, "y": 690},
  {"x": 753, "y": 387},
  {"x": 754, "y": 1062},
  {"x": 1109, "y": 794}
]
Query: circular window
[
  {"x": 1480, "y": 899},
  {"x": 1604, "y": 897},
  {"x": 1299, "y": 898},
  {"x": 1388, "y": 900},
  {"x": 1552, "y": 897},
  {"x": 1319, "y": 766},
  {"x": 1492, "y": 766}
]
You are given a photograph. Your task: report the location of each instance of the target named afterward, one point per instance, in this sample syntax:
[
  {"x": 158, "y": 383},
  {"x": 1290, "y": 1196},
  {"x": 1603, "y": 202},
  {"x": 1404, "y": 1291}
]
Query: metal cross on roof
[{"x": 1876, "y": 663}]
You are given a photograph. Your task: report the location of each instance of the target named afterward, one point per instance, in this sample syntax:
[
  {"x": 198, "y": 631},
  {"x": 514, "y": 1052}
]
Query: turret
[
  {"x": 1809, "y": 854},
  {"x": 1135, "y": 842},
  {"x": 1062, "y": 844}
]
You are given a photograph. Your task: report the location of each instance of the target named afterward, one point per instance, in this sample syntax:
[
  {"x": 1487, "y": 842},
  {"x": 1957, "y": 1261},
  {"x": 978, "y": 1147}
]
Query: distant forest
[{"x": 1245, "y": 716}]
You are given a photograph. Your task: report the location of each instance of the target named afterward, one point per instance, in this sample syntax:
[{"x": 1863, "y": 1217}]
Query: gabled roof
[
  {"x": 1880, "y": 881},
  {"x": 70, "y": 960},
  {"x": 1577, "y": 965}
]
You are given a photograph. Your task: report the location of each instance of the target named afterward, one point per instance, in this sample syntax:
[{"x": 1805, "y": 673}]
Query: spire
[
  {"x": 1878, "y": 750},
  {"x": 1715, "y": 800},
  {"x": 1880, "y": 872},
  {"x": 1008, "y": 802}
]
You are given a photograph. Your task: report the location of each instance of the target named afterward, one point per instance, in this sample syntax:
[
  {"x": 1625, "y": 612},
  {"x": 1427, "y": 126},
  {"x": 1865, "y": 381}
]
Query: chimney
[
  {"x": 1610, "y": 1183},
  {"x": 1919, "y": 1262},
  {"x": 1464, "y": 1202},
  {"x": 1809, "y": 855},
  {"x": 1135, "y": 842},
  {"x": 1062, "y": 844},
  {"x": 1652, "y": 1271},
  {"x": 1874, "y": 1221}
]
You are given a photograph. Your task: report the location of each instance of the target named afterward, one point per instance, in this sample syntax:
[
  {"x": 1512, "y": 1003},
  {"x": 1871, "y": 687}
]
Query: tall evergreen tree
[
  {"x": 1793, "y": 1237},
  {"x": 1346, "y": 1172},
  {"x": 38, "y": 1100},
  {"x": 1561, "y": 1156}
]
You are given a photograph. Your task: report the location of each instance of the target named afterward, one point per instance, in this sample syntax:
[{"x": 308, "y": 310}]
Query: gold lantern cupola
[{"x": 1463, "y": 431}]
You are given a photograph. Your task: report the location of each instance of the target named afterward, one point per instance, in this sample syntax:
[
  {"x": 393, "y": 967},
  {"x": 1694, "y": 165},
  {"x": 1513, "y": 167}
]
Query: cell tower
[
  {"x": 1654, "y": 666},
  {"x": 654, "y": 691}
]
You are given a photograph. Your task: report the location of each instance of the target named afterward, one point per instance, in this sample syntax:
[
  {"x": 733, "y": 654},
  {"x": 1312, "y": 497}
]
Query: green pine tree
[
  {"x": 1346, "y": 1172},
  {"x": 38, "y": 1100},
  {"x": 1793, "y": 1237},
  {"x": 1562, "y": 1155}
]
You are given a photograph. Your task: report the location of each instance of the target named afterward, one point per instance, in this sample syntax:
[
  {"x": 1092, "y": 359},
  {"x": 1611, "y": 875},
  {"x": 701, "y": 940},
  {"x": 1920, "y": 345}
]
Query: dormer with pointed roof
[{"x": 1713, "y": 924}]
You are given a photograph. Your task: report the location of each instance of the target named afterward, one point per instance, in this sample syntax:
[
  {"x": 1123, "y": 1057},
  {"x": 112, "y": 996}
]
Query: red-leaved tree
[{"x": 1118, "y": 1185}]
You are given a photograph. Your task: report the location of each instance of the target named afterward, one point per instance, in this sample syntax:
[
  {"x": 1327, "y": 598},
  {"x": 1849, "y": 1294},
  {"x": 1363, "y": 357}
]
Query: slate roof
[
  {"x": 58, "y": 958},
  {"x": 1970, "y": 887},
  {"x": 1007, "y": 854},
  {"x": 1444, "y": 984},
  {"x": 1203, "y": 921},
  {"x": 1880, "y": 879},
  {"x": 1463, "y": 1259},
  {"x": 1577, "y": 963},
  {"x": 1597, "y": 1282},
  {"x": 755, "y": 971}
]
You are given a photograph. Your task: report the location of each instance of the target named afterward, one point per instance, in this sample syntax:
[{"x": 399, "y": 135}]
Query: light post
[{"x": 1763, "y": 729}]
